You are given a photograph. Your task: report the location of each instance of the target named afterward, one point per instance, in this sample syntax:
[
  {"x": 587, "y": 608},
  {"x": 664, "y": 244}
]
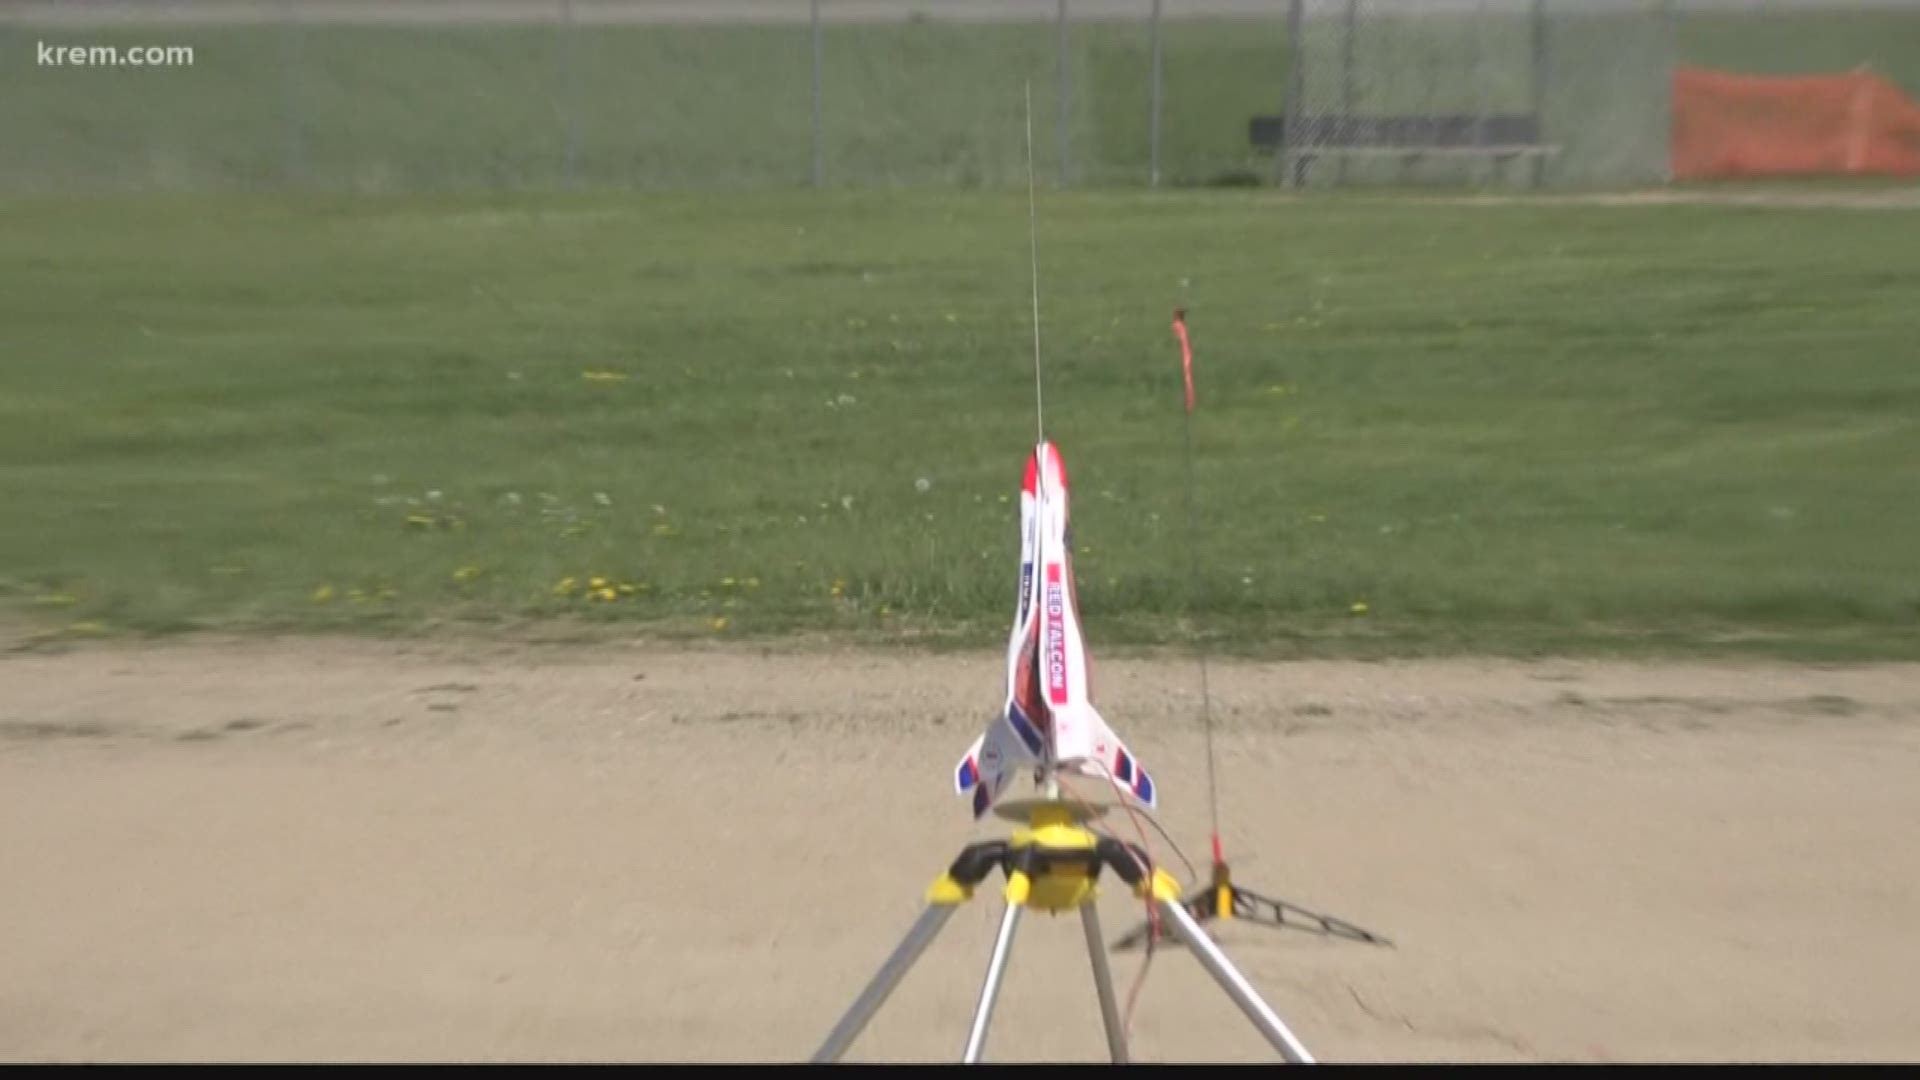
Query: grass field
[
  {"x": 460, "y": 107},
  {"x": 1513, "y": 428}
]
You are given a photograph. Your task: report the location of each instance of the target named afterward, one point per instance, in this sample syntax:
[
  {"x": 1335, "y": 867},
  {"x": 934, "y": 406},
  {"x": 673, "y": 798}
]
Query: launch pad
[{"x": 1053, "y": 865}]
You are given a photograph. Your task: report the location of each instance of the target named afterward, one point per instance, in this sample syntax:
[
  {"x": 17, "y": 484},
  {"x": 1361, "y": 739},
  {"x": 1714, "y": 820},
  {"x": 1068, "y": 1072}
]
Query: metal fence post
[
  {"x": 1540, "y": 85},
  {"x": 295, "y": 164},
  {"x": 1347, "y": 89},
  {"x": 1670, "y": 25},
  {"x": 570, "y": 93},
  {"x": 1153, "y": 121},
  {"x": 1064, "y": 90},
  {"x": 1481, "y": 104},
  {"x": 819, "y": 163},
  {"x": 1290, "y": 111}
]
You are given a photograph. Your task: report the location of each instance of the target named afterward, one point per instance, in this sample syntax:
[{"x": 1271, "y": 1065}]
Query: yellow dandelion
[
  {"x": 597, "y": 583},
  {"x": 606, "y": 594},
  {"x": 719, "y": 623},
  {"x": 839, "y": 587},
  {"x": 626, "y": 588},
  {"x": 565, "y": 587},
  {"x": 1359, "y": 607},
  {"x": 323, "y": 594}
]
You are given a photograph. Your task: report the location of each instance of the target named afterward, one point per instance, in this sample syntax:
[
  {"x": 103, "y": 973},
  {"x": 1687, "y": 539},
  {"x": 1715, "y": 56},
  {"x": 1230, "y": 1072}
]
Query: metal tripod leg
[
  {"x": 919, "y": 936},
  {"x": 1103, "y": 984},
  {"x": 1002, "y": 946},
  {"x": 1235, "y": 984}
]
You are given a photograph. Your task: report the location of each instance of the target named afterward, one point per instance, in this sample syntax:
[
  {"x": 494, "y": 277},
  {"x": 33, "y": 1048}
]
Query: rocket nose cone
[{"x": 1055, "y": 467}]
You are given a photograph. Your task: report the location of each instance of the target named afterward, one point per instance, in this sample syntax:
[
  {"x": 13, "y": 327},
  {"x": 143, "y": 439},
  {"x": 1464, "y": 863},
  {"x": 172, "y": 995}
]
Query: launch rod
[
  {"x": 1193, "y": 578},
  {"x": 1033, "y": 251}
]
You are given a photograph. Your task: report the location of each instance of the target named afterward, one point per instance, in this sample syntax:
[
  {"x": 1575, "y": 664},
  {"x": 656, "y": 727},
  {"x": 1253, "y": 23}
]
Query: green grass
[
  {"x": 1509, "y": 428},
  {"x": 453, "y": 107}
]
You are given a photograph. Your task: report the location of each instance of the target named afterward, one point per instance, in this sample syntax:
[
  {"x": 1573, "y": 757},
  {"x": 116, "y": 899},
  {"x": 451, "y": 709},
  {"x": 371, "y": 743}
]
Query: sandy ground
[{"x": 342, "y": 851}]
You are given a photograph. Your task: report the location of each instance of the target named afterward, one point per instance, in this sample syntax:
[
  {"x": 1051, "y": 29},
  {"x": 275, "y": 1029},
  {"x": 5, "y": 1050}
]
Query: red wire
[{"x": 1153, "y": 912}]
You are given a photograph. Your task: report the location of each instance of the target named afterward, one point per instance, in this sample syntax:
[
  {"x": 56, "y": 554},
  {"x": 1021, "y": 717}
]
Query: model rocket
[{"x": 1049, "y": 723}]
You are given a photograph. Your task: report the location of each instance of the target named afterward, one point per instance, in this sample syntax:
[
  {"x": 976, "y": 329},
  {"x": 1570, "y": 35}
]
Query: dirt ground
[{"x": 303, "y": 850}]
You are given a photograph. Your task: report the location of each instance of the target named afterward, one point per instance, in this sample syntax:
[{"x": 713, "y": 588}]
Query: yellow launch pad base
[{"x": 1053, "y": 865}]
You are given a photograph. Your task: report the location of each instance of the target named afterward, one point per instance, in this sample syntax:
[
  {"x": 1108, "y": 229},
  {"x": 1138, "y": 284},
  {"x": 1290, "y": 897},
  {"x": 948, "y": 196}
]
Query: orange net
[{"x": 1732, "y": 125}]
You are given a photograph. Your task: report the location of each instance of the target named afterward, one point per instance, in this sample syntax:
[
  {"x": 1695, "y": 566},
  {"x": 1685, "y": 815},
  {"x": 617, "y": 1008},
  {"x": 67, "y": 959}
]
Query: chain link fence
[
  {"x": 1529, "y": 91},
  {"x": 433, "y": 95}
]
